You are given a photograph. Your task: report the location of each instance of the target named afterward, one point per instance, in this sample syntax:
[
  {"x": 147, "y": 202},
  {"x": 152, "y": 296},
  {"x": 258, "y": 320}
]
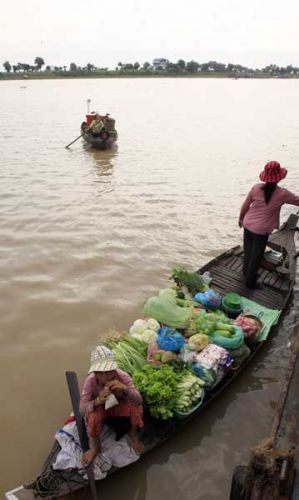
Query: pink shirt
[
  {"x": 91, "y": 389},
  {"x": 260, "y": 217}
]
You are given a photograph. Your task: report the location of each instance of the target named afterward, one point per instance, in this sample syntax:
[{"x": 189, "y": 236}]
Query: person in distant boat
[
  {"x": 109, "y": 392},
  {"x": 259, "y": 216},
  {"x": 96, "y": 125}
]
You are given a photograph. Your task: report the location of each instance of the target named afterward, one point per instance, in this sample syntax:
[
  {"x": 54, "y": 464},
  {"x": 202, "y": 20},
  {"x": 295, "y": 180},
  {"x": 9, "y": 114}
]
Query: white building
[{"x": 160, "y": 63}]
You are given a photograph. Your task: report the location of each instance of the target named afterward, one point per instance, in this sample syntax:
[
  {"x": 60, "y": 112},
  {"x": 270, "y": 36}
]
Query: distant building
[{"x": 160, "y": 63}]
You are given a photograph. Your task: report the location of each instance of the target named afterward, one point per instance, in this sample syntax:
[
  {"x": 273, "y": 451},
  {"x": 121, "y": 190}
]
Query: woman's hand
[
  {"x": 240, "y": 223},
  {"x": 103, "y": 395},
  {"x": 117, "y": 388}
]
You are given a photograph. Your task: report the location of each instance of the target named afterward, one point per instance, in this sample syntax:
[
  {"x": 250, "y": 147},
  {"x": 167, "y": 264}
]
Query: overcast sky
[{"x": 249, "y": 32}]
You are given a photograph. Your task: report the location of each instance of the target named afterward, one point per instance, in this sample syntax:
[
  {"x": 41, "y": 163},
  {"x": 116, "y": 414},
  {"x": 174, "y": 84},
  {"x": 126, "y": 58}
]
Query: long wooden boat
[{"x": 226, "y": 273}]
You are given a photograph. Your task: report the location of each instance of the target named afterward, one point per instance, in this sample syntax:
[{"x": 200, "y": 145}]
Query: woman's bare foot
[
  {"x": 137, "y": 444},
  {"x": 88, "y": 457}
]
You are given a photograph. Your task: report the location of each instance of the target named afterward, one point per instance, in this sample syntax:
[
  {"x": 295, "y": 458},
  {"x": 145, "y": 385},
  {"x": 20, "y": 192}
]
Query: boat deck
[{"x": 227, "y": 276}]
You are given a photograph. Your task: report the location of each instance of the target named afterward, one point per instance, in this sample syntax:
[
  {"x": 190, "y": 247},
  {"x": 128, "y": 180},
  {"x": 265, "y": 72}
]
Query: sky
[{"x": 253, "y": 33}]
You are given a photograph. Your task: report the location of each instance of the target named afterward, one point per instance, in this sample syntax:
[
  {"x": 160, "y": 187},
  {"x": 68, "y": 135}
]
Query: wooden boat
[
  {"x": 226, "y": 273},
  {"x": 105, "y": 138}
]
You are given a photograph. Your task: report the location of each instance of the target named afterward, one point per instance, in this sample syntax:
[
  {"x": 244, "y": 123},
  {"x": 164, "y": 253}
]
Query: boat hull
[{"x": 98, "y": 142}]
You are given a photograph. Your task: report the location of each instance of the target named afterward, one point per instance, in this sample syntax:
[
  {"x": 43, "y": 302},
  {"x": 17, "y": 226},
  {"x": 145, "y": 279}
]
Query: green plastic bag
[
  {"x": 165, "y": 309},
  {"x": 233, "y": 342}
]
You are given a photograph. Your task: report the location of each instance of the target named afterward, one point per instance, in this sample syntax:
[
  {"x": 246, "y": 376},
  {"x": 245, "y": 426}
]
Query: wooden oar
[
  {"x": 73, "y": 141},
  {"x": 73, "y": 386}
]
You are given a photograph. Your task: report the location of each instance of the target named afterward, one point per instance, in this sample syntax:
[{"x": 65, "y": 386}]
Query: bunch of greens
[
  {"x": 158, "y": 386},
  {"x": 189, "y": 392},
  {"x": 193, "y": 281},
  {"x": 130, "y": 353}
]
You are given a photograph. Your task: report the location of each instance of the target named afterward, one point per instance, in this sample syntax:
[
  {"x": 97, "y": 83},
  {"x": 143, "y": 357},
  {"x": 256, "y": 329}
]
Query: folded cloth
[{"x": 113, "y": 453}]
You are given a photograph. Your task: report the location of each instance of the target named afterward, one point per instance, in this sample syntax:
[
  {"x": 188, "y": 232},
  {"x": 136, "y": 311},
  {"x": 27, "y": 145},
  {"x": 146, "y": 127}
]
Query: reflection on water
[
  {"x": 87, "y": 236},
  {"x": 103, "y": 161}
]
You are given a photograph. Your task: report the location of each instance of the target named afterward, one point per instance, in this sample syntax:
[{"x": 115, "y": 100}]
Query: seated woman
[
  {"x": 96, "y": 125},
  {"x": 104, "y": 380}
]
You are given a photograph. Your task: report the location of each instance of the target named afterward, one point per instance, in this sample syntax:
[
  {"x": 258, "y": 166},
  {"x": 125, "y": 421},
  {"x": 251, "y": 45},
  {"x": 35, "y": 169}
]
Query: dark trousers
[{"x": 254, "y": 248}]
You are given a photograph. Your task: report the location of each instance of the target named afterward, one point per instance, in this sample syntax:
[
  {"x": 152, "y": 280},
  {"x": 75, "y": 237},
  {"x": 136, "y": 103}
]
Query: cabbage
[
  {"x": 148, "y": 336},
  {"x": 139, "y": 326},
  {"x": 198, "y": 341},
  {"x": 152, "y": 324}
]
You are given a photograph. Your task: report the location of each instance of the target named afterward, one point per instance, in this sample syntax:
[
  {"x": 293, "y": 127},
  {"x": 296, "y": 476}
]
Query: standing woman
[{"x": 259, "y": 215}]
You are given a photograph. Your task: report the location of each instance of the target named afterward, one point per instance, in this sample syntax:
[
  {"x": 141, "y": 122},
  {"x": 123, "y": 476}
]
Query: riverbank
[{"x": 52, "y": 75}]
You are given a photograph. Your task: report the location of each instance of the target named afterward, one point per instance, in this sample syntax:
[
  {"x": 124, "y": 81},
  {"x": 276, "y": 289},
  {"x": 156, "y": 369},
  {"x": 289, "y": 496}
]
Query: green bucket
[{"x": 232, "y": 304}]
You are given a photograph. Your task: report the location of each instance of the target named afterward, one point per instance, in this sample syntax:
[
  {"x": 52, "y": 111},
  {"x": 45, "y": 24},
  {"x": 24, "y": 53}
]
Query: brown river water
[{"x": 87, "y": 236}]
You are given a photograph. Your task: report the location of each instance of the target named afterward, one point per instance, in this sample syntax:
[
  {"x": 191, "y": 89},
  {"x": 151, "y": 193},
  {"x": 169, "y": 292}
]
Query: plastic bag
[
  {"x": 239, "y": 355},
  {"x": 250, "y": 325},
  {"x": 233, "y": 342},
  {"x": 208, "y": 376},
  {"x": 110, "y": 402},
  {"x": 165, "y": 309},
  {"x": 209, "y": 299},
  {"x": 170, "y": 339},
  {"x": 187, "y": 355},
  {"x": 206, "y": 276}
]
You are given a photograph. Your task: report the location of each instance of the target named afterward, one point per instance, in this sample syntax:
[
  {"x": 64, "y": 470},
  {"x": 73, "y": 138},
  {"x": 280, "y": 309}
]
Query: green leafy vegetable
[
  {"x": 158, "y": 387},
  {"x": 193, "y": 281}
]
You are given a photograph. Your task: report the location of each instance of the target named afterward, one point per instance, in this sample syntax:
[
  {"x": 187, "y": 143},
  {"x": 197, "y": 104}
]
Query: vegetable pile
[
  {"x": 181, "y": 348},
  {"x": 165, "y": 390}
]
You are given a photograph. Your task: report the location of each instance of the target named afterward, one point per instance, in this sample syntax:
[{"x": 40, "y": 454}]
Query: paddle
[
  {"x": 73, "y": 386},
  {"x": 73, "y": 141}
]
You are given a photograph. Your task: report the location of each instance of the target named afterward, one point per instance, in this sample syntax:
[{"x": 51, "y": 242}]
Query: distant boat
[{"x": 103, "y": 139}]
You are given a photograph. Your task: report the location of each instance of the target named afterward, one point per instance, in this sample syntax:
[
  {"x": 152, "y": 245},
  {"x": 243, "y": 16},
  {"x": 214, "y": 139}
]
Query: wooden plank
[
  {"x": 267, "y": 278},
  {"x": 239, "y": 251},
  {"x": 223, "y": 271},
  {"x": 262, "y": 274},
  {"x": 240, "y": 267},
  {"x": 269, "y": 297},
  {"x": 229, "y": 260},
  {"x": 273, "y": 302},
  {"x": 274, "y": 280},
  {"x": 237, "y": 264},
  {"x": 232, "y": 262}
]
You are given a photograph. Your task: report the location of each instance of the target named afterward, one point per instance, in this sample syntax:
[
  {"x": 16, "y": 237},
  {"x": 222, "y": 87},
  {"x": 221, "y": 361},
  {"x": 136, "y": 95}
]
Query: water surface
[{"x": 87, "y": 236}]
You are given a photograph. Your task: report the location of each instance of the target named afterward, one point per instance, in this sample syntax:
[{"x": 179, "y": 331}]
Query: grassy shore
[{"x": 46, "y": 75}]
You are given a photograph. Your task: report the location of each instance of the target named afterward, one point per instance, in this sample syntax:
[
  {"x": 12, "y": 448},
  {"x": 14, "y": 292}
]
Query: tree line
[
  {"x": 38, "y": 63},
  {"x": 180, "y": 67}
]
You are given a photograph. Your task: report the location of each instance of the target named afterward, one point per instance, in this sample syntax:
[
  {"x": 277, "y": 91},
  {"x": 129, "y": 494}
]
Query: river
[{"x": 87, "y": 236}]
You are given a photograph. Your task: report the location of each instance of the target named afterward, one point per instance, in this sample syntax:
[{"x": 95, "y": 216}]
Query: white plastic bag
[{"x": 110, "y": 402}]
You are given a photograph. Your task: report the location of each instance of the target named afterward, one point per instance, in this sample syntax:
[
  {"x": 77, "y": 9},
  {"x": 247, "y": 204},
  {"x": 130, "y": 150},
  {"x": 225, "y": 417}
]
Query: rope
[{"x": 48, "y": 484}]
